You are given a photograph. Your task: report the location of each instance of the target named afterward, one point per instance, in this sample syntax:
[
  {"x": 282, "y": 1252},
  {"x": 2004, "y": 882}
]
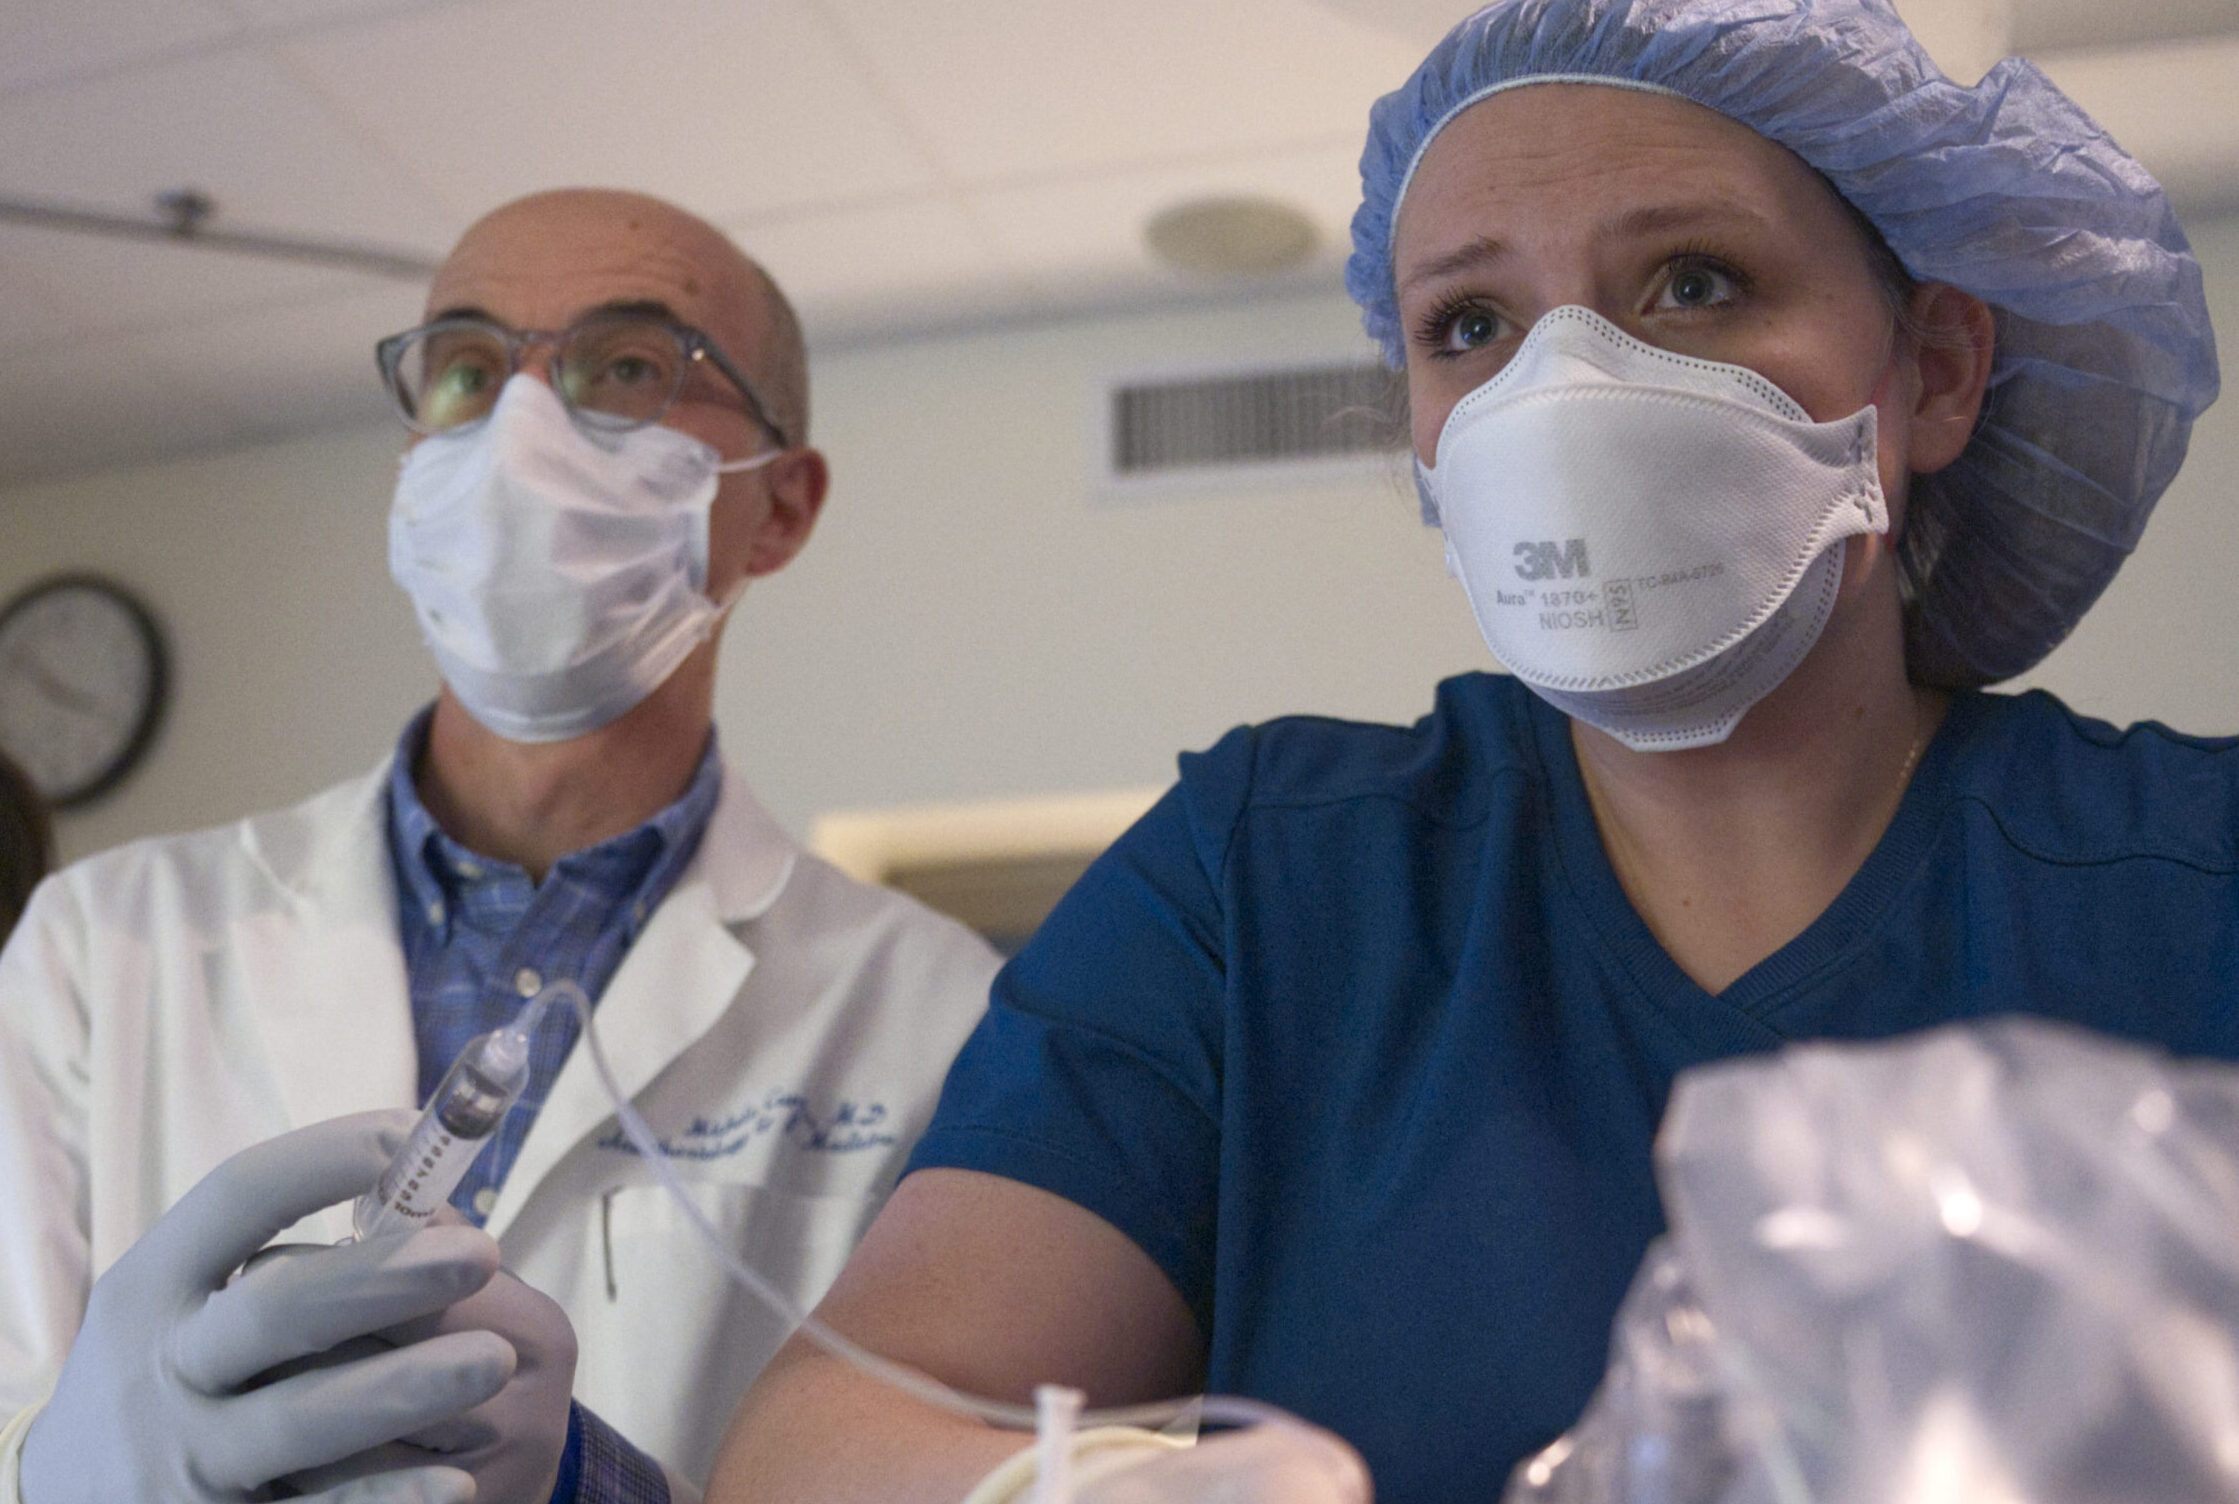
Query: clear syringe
[{"x": 477, "y": 1092}]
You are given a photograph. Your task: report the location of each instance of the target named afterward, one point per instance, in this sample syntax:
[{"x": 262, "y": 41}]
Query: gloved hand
[
  {"x": 511, "y": 1443},
  {"x": 1286, "y": 1462},
  {"x": 149, "y": 1406}
]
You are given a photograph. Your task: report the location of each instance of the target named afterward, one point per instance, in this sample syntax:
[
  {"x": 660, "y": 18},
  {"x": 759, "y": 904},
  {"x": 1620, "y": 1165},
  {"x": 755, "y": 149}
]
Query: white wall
[
  {"x": 293, "y": 658},
  {"x": 968, "y": 620}
]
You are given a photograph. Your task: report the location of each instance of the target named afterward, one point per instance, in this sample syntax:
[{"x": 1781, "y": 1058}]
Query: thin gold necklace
[{"x": 1919, "y": 745}]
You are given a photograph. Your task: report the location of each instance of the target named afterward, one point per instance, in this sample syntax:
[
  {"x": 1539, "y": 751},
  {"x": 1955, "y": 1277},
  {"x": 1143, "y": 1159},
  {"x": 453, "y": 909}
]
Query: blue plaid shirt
[{"x": 479, "y": 937}]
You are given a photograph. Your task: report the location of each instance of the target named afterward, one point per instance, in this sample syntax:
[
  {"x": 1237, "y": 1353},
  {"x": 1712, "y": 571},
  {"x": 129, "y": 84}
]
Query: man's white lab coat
[{"x": 783, "y": 1028}]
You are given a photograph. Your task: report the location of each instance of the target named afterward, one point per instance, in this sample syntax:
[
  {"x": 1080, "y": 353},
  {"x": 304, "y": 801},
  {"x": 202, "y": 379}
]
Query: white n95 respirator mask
[
  {"x": 558, "y": 575},
  {"x": 1649, "y": 541}
]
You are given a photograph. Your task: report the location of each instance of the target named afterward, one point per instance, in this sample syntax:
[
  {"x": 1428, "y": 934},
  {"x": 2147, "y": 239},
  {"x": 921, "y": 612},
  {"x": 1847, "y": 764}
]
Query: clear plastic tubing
[
  {"x": 483, "y": 1085},
  {"x": 477, "y": 1092}
]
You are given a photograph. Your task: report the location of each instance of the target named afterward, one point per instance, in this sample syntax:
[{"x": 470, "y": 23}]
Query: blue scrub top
[{"x": 1357, "y": 1036}]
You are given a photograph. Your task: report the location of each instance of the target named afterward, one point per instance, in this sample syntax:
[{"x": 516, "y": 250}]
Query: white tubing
[
  {"x": 1057, "y": 1412},
  {"x": 1223, "y": 1409}
]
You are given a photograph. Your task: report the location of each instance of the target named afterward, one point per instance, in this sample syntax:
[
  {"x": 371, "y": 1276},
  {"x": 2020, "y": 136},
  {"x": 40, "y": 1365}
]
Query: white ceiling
[{"x": 899, "y": 164}]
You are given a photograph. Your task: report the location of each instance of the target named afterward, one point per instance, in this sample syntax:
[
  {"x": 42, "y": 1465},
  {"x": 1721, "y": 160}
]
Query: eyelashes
[
  {"x": 1434, "y": 329},
  {"x": 1706, "y": 259}
]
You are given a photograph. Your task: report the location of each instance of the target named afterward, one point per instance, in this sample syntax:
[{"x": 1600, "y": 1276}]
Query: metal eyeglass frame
[{"x": 389, "y": 355}]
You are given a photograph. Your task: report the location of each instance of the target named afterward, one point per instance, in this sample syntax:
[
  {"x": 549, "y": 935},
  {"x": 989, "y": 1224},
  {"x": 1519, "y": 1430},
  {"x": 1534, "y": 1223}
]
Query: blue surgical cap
[{"x": 2005, "y": 190}]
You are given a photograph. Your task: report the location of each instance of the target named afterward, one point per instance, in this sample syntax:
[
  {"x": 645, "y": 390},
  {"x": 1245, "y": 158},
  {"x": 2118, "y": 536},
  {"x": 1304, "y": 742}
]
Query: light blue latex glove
[
  {"x": 511, "y": 1443},
  {"x": 150, "y": 1406}
]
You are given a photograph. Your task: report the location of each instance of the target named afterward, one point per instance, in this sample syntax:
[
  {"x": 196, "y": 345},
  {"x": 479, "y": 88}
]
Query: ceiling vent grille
[{"x": 1170, "y": 431}]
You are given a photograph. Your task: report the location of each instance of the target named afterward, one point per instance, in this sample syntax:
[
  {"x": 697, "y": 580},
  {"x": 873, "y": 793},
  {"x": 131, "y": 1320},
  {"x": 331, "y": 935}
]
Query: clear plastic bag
[{"x": 1993, "y": 1264}]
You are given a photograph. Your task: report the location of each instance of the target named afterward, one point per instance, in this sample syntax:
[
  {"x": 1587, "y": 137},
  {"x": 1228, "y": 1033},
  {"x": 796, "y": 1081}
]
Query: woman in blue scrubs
[{"x": 1773, "y": 394}]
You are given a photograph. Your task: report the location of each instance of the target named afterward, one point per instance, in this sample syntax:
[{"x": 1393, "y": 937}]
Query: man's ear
[
  {"x": 1954, "y": 340},
  {"x": 797, "y": 482}
]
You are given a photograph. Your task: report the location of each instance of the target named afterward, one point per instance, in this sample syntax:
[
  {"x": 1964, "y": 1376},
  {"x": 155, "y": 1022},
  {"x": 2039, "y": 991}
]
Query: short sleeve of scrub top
[{"x": 1356, "y": 1035}]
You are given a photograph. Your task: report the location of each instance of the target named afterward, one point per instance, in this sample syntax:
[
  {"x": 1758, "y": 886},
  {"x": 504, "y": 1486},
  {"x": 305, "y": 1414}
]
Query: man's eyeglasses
[{"x": 614, "y": 370}]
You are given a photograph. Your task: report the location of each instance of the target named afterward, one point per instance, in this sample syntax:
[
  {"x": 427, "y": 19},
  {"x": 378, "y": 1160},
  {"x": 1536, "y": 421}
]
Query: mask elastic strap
[
  {"x": 738, "y": 589},
  {"x": 752, "y": 462}
]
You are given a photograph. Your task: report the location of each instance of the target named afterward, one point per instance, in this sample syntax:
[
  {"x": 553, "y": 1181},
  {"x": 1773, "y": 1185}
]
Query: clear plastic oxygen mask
[{"x": 477, "y": 1092}]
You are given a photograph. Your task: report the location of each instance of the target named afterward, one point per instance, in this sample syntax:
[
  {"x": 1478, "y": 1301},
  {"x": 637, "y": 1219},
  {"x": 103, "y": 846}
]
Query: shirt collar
[
  {"x": 678, "y": 829},
  {"x": 414, "y": 836},
  {"x": 638, "y": 866}
]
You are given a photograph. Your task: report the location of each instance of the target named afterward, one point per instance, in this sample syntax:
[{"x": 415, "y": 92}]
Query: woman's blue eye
[
  {"x": 1470, "y": 329},
  {"x": 1697, "y": 287}
]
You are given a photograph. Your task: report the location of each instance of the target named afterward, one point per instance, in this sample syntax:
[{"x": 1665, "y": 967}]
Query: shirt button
[
  {"x": 527, "y": 982},
  {"x": 435, "y": 912},
  {"x": 484, "y": 1200},
  {"x": 637, "y": 911},
  {"x": 470, "y": 870}
]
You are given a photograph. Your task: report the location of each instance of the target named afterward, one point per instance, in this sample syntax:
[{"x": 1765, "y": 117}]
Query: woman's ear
[{"x": 1954, "y": 340}]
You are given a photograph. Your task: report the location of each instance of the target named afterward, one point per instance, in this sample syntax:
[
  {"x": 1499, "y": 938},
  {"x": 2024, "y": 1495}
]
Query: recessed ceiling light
[{"x": 1232, "y": 235}]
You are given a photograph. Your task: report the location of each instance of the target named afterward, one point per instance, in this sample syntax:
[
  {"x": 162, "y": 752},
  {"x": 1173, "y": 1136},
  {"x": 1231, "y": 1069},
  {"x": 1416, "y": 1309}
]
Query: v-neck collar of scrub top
[{"x": 1853, "y": 918}]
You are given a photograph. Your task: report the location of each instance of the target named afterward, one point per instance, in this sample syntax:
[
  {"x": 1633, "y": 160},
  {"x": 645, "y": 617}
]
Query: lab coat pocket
[{"x": 668, "y": 1339}]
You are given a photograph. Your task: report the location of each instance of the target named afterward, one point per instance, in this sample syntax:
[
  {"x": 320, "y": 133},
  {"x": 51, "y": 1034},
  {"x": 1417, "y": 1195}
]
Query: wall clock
[{"x": 83, "y": 682}]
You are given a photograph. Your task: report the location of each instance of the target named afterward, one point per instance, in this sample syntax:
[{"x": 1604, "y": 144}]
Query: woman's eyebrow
[
  {"x": 1655, "y": 219},
  {"x": 1482, "y": 251},
  {"x": 1632, "y": 224}
]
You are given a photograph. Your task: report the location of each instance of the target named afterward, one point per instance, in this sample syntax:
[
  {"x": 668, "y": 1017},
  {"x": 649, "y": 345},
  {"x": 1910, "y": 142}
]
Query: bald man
[{"x": 608, "y": 410}]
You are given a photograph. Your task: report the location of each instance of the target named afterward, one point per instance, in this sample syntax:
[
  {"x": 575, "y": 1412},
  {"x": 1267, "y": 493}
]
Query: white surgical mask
[
  {"x": 1651, "y": 542},
  {"x": 558, "y": 575}
]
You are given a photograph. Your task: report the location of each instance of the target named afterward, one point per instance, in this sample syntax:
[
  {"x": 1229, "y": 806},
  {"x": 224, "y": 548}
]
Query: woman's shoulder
[
  {"x": 2070, "y": 787},
  {"x": 1446, "y": 766}
]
